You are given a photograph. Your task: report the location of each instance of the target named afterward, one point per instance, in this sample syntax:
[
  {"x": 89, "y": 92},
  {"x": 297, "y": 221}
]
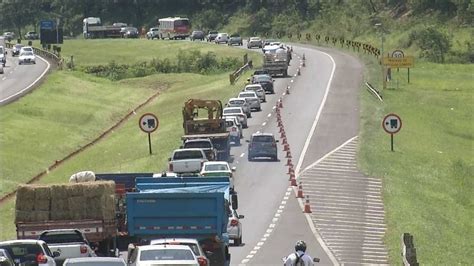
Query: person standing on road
[{"x": 299, "y": 258}]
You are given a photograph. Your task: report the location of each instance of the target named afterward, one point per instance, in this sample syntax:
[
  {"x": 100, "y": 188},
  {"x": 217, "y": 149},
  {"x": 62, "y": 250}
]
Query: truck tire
[{"x": 285, "y": 73}]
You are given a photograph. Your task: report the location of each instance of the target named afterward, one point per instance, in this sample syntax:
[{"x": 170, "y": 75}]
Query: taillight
[
  {"x": 202, "y": 261},
  {"x": 83, "y": 249},
  {"x": 41, "y": 258},
  {"x": 170, "y": 167},
  {"x": 234, "y": 222}
]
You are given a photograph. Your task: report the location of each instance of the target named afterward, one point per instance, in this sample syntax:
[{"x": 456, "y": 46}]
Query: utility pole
[{"x": 384, "y": 80}]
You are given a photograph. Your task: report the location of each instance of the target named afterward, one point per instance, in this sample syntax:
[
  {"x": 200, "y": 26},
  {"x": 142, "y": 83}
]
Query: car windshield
[
  {"x": 18, "y": 46},
  {"x": 166, "y": 254},
  {"x": 216, "y": 167},
  {"x": 263, "y": 139},
  {"x": 65, "y": 237},
  {"x": 232, "y": 111},
  {"x": 213, "y": 32},
  {"x": 253, "y": 88},
  {"x": 21, "y": 250},
  {"x": 197, "y": 144},
  {"x": 261, "y": 78},
  {"x": 189, "y": 154},
  {"x": 237, "y": 102},
  {"x": 247, "y": 95}
]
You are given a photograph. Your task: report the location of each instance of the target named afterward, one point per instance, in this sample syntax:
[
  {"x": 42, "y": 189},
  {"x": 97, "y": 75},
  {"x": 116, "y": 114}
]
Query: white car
[
  {"x": 234, "y": 227},
  {"x": 258, "y": 89},
  {"x": 152, "y": 33},
  {"x": 26, "y": 57},
  {"x": 222, "y": 38},
  {"x": 219, "y": 168},
  {"x": 236, "y": 111},
  {"x": 254, "y": 42},
  {"x": 154, "y": 255},
  {"x": 252, "y": 97},
  {"x": 190, "y": 242},
  {"x": 234, "y": 129},
  {"x": 240, "y": 102},
  {"x": 26, "y": 49},
  {"x": 30, "y": 252}
]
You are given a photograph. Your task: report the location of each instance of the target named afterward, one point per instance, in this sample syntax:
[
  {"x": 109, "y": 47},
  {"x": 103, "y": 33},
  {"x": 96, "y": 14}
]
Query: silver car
[
  {"x": 252, "y": 97},
  {"x": 240, "y": 102},
  {"x": 222, "y": 38},
  {"x": 236, "y": 111},
  {"x": 234, "y": 227},
  {"x": 95, "y": 261},
  {"x": 258, "y": 89},
  {"x": 254, "y": 42}
]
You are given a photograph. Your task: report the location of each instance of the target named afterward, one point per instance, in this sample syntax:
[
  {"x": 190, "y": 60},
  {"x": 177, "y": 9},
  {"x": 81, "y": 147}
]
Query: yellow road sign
[{"x": 399, "y": 62}]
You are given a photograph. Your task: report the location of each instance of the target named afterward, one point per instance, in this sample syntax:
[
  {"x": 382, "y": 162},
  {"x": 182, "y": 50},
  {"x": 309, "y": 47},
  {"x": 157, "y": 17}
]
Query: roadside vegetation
[{"x": 428, "y": 184}]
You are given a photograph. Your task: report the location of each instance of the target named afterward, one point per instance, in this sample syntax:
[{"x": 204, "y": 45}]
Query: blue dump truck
[{"x": 189, "y": 207}]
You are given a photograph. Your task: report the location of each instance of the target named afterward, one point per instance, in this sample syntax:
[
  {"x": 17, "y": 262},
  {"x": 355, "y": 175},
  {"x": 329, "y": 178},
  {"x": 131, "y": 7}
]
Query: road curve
[{"x": 17, "y": 80}]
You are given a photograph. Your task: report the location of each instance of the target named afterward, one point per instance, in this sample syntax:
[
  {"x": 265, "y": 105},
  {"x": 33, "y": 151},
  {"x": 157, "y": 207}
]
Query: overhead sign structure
[
  {"x": 399, "y": 62},
  {"x": 148, "y": 123},
  {"x": 392, "y": 124},
  {"x": 46, "y": 25}
]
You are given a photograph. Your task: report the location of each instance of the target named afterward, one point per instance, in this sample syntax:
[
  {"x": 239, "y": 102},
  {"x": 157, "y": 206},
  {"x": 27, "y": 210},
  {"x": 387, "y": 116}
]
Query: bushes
[
  {"x": 433, "y": 44},
  {"x": 191, "y": 62}
]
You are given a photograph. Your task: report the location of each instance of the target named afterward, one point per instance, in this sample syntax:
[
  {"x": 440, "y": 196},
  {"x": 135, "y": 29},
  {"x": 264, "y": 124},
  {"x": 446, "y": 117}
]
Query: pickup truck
[
  {"x": 187, "y": 161},
  {"x": 205, "y": 144},
  {"x": 70, "y": 243}
]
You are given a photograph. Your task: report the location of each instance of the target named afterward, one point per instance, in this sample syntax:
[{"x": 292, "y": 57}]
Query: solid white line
[
  {"x": 29, "y": 86},
  {"x": 300, "y": 162}
]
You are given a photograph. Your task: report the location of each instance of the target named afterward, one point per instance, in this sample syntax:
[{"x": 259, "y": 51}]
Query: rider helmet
[{"x": 300, "y": 245}]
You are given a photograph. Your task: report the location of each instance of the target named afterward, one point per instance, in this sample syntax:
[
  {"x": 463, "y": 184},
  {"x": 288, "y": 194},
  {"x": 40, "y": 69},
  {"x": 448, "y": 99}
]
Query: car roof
[
  {"x": 95, "y": 259},
  {"x": 262, "y": 134},
  {"x": 188, "y": 149},
  {"x": 237, "y": 99},
  {"x": 22, "y": 241},
  {"x": 164, "y": 246},
  {"x": 253, "y": 85},
  {"x": 236, "y": 107},
  {"x": 170, "y": 240},
  {"x": 245, "y": 92},
  {"x": 198, "y": 140},
  {"x": 216, "y": 162}
]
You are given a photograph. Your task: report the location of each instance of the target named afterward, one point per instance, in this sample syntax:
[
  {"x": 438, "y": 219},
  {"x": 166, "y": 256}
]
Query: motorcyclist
[{"x": 299, "y": 258}]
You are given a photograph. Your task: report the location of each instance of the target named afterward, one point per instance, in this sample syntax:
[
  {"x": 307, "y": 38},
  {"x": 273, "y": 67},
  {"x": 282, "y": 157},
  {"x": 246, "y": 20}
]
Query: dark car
[
  {"x": 197, "y": 35},
  {"x": 261, "y": 72},
  {"x": 266, "y": 81},
  {"x": 212, "y": 35},
  {"x": 31, "y": 35},
  {"x": 262, "y": 145},
  {"x": 131, "y": 32},
  {"x": 235, "y": 39},
  {"x": 16, "y": 49}
]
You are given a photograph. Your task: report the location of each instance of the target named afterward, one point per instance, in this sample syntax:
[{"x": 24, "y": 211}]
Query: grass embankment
[
  {"x": 428, "y": 183},
  {"x": 80, "y": 107}
]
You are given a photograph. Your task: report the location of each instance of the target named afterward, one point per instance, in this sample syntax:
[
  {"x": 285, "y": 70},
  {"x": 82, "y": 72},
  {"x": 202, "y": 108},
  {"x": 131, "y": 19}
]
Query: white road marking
[
  {"x": 269, "y": 115},
  {"x": 302, "y": 155},
  {"x": 244, "y": 261},
  {"x": 264, "y": 123},
  {"x": 260, "y": 243},
  {"x": 242, "y": 155},
  {"x": 4, "y": 78}
]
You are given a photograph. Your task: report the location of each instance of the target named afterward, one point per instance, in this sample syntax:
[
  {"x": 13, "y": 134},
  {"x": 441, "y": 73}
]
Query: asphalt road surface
[{"x": 18, "y": 80}]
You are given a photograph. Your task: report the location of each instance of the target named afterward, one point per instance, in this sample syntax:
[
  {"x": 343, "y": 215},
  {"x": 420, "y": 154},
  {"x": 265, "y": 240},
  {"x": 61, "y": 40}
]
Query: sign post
[
  {"x": 148, "y": 123},
  {"x": 392, "y": 124},
  {"x": 399, "y": 60}
]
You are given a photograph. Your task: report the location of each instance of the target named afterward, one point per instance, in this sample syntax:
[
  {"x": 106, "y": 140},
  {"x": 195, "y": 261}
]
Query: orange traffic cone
[
  {"x": 300, "y": 191},
  {"x": 282, "y": 133},
  {"x": 307, "y": 207},
  {"x": 288, "y": 154},
  {"x": 292, "y": 180},
  {"x": 299, "y": 72},
  {"x": 287, "y": 89},
  {"x": 280, "y": 103}
]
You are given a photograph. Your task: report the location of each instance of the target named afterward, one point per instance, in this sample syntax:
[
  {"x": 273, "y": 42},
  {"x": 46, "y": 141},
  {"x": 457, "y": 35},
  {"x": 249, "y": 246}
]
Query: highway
[
  {"x": 321, "y": 120},
  {"x": 18, "y": 80}
]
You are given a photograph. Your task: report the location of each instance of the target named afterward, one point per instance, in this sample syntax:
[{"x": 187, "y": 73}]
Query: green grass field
[{"x": 428, "y": 183}]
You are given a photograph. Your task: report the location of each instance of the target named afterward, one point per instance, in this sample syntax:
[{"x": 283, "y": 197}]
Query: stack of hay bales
[{"x": 79, "y": 201}]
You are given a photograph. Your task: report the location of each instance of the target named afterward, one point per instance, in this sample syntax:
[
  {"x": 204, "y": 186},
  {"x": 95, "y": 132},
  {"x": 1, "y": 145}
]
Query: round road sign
[
  {"x": 398, "y": 54},
  {"x": 392, "y": 123},
  {"x": 148, "y": 122}
]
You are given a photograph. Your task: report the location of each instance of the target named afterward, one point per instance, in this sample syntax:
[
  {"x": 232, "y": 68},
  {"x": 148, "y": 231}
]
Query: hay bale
[
  {"x": 25, "y": 192},
  {"x": 42, "y": 205},
  {"x": 59, "y": 205},
  {"x": 23, "y": 216},
  {"x": 40, "y": 216},
  {"x": 59, "y": 192},
  {"x": 42, "y": 192},
  {"x": 75, "y": 190},
  {"x": 60, "y": 215},
  {"x": 23, "y": 204},
  {"x": 98, "y": 189},
  {"x": 108, "y": 210}
]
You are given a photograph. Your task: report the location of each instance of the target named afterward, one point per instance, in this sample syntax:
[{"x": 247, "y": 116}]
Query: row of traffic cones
[{"x": 286, "y": 148}]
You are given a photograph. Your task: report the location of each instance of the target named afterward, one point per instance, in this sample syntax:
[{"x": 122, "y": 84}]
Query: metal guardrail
[
  {"x": 408, "y": 250},
  {"x": 374, "y": 91},
  {"x": 236, "y": 74},
  {"x": 52, "y": 57}
]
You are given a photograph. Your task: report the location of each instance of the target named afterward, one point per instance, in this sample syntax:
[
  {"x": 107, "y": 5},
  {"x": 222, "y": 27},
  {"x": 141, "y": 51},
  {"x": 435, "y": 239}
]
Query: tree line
[{"x": 263, "y": 15}]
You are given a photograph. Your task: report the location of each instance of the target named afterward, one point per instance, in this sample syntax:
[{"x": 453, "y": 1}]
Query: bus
[{"x": 174, "y": 28}]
